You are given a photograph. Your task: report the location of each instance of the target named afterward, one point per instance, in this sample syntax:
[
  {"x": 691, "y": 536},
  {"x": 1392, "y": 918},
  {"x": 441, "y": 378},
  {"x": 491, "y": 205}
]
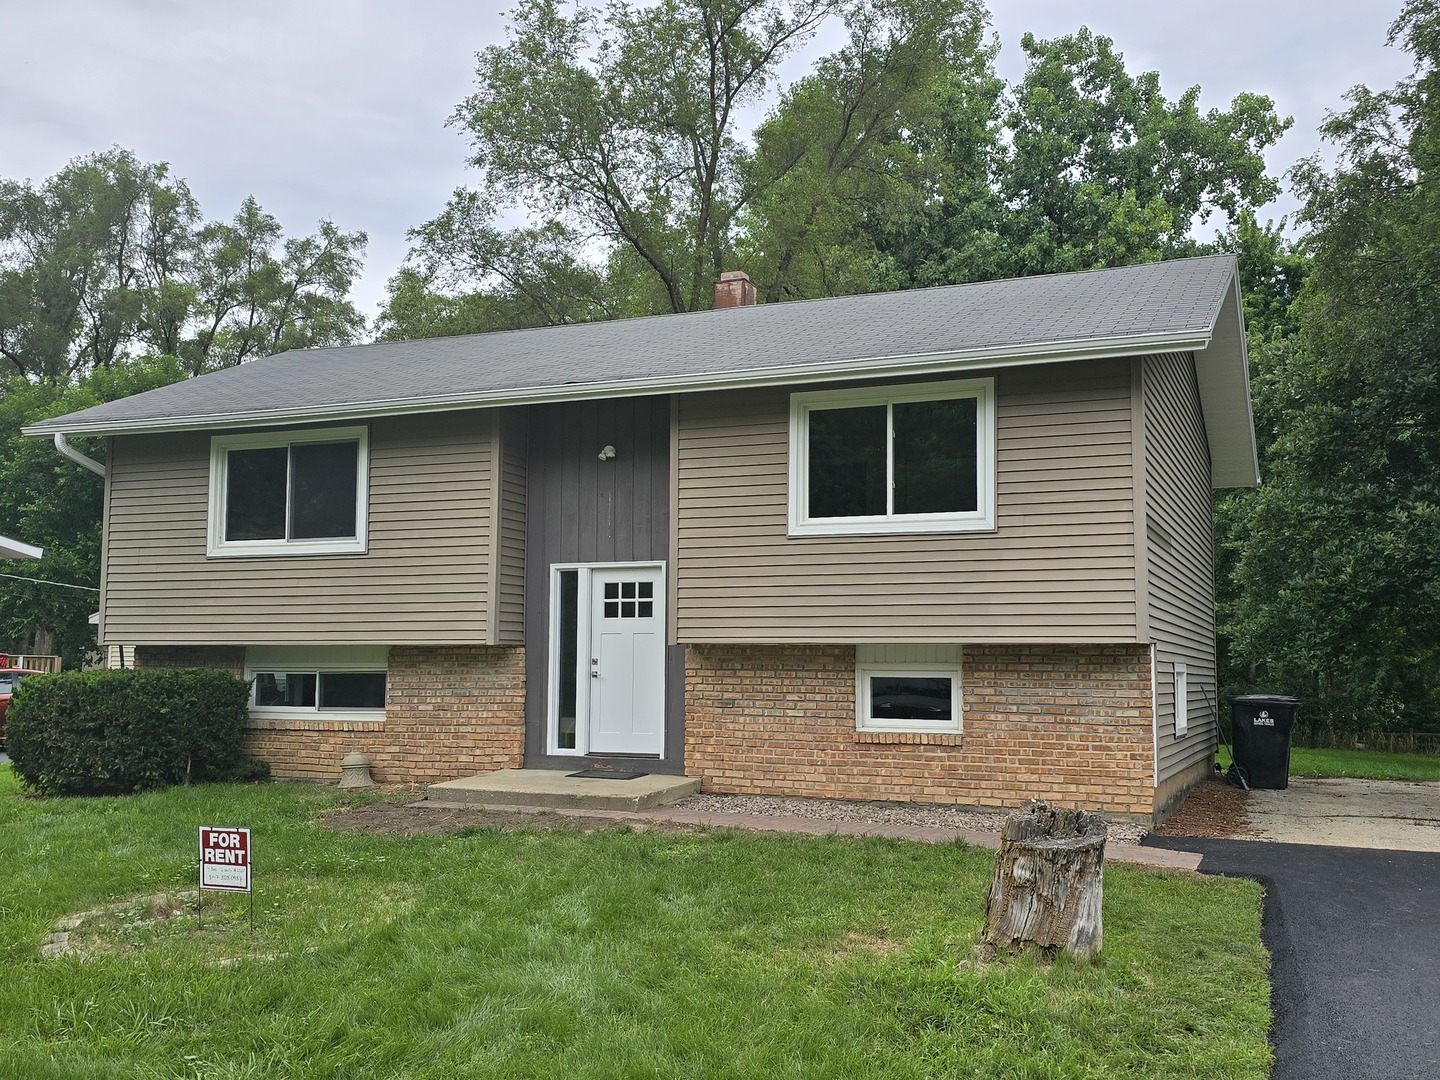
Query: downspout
[{"x": 74, "y": 455}]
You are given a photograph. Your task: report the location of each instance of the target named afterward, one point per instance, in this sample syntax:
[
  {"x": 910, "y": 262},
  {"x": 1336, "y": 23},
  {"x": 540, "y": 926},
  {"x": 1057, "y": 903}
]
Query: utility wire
[{"x": 42, "y": 581}]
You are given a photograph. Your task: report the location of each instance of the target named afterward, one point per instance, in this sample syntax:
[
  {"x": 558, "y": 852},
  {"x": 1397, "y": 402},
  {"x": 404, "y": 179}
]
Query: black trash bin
[{"x": 1260, "y": 726}]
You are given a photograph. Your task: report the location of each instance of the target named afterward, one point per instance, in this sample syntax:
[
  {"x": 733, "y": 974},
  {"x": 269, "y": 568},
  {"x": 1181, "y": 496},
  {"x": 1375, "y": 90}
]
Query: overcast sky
[{"x": 336, "y": 108}]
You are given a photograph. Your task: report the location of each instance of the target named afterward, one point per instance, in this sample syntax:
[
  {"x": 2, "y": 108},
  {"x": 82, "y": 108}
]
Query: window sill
[
  {"x": 267, "y": 548},
  {"x": 316, "y": 722},
  {"x": 843, "y": 527},
  {"x": 910, "y": 738}
]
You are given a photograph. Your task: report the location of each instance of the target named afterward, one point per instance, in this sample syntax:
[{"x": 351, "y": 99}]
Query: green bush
[{"x": 113, "y": 732}]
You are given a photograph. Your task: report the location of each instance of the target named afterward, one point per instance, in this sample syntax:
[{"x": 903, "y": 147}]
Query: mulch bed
[{"x": 1213, "y": 808}]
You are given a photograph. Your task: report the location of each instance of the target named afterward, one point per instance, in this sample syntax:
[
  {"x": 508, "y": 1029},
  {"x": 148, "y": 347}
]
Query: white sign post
[{"x": 225, "y": 864}]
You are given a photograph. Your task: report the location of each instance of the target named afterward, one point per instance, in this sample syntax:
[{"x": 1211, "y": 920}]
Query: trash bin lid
[{"x": 1267, "y": 699}]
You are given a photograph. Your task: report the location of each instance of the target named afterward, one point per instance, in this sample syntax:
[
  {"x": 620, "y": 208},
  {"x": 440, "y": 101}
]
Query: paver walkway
[{"x": 1121, "y": 853}]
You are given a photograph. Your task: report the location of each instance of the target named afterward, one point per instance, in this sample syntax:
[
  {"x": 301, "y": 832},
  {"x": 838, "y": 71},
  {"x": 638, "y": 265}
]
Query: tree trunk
[{"x": 1048, "y": 883}]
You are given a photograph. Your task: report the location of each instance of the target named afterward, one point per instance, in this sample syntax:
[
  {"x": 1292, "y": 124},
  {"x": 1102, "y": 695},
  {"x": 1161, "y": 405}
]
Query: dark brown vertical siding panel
[
  {"x": 629, "y": 448},
  {"x": 592, "y": 511}
]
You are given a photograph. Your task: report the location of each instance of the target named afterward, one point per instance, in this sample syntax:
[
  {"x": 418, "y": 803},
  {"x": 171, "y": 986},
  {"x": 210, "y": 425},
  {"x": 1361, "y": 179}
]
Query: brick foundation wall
[
  {"x": 449, "y": 712},
  {"x": 1069, "y": 724}
]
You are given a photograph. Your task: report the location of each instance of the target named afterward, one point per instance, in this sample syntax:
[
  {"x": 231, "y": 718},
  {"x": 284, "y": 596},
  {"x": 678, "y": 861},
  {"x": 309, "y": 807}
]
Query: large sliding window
[
  {"x": 301, "y": 492},
  {"x": 317, "y": 681},
  {"x": 918, "y": 458}
]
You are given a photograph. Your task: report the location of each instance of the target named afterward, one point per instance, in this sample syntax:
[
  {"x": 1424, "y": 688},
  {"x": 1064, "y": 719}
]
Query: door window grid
[{"x": 629, "y": 600}]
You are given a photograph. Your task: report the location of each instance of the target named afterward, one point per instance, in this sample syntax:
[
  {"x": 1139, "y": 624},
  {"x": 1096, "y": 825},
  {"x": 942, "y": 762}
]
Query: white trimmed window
[
  {"x": 319, "y": 682},
  {"x": 916, "y": 458},
  {"x": 289, "y": 492},
  {"x": 1182, "y": 701},
  {"x": 913, "y": 688}
]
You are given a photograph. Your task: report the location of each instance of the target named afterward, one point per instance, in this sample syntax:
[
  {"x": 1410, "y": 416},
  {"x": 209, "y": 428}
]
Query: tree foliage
[
  {"x": 1087, "y": 166},
  {"x": 900, "y": 159},
  {"x": 111, "y": 283},
  {"x": 849, "y": 151},
  {"x": 1338, "y": 579},
  {"x": 53, "y": 503},
  {"x": 110, "y": 258},
  {"x": 622, "y": 124}
]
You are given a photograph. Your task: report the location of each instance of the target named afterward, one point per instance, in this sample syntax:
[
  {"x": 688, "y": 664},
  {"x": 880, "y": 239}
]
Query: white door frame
[{"x": 584, "y": 604}]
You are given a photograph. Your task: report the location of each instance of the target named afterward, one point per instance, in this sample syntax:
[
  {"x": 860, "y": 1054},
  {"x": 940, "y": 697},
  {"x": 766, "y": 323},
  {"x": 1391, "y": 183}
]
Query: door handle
[{"x": 594, "y": 674}]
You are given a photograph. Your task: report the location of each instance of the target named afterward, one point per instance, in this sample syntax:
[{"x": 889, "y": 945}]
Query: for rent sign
[{"x": 225, "y": 859}]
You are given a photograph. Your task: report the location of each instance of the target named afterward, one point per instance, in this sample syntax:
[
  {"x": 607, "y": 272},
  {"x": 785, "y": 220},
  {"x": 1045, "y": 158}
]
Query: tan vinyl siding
[
  {"x": 1181, "y": 593},
  {"x": 510, "y": 627},
  {"x": 1058, "y": 568},
  {"x": 423, "y": 580}
]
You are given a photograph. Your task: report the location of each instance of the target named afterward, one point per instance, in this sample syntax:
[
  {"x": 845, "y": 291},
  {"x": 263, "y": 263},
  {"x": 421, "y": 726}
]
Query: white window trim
[
  {"x": 1182, "y": 701},
  {"x": 981, "y": 519},
  {"x": 216, "y": 544},
  {"x": 864, "y": 721},
  {"x": 300, "y": 661}
]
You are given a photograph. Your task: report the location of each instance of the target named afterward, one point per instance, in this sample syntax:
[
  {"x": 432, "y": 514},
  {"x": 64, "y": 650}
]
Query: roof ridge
[{"x": 801, "y": 302}]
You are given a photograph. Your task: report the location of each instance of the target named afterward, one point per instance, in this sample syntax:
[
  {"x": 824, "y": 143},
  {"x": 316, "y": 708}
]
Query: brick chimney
[{"x": 734, "y": 289}]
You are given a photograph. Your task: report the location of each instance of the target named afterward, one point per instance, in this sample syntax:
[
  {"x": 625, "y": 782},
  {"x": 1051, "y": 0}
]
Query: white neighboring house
[
  {"x": 15, "y": 549},
  {"x": 18, "y": 549}
]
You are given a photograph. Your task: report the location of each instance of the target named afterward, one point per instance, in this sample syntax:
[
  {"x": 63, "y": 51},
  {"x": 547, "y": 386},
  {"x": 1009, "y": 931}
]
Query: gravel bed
[{"x": 875, "y": 813}]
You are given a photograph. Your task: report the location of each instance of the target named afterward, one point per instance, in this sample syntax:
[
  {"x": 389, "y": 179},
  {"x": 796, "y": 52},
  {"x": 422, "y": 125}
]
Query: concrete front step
[{"x": 546, "y": 787}]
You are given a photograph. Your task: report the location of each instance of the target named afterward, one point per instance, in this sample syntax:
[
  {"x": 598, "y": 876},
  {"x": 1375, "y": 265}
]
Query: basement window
[
  {"x": 298, "y": 492},
  {"x": 317, "y": 682},
  {"x": 913, "y": 458},
  {"x": 912, "y": 688}
]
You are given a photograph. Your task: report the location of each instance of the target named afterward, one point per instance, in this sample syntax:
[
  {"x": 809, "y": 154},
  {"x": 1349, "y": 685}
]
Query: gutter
[{"x": 74, "y": 455}]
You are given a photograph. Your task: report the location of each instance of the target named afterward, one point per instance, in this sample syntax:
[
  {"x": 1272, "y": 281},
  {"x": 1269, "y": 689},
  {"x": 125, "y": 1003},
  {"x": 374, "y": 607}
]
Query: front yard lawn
[{"x": 538, "y": 953}]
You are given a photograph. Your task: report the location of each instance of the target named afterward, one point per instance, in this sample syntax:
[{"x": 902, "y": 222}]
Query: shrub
[{"x": 113, "y": 732}]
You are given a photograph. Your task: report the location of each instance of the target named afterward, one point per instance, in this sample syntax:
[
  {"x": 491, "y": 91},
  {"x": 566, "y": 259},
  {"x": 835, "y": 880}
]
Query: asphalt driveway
[{"x": 1354, "y": 939}]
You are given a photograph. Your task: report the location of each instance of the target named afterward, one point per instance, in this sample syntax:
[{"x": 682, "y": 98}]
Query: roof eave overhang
[
  {"x": 1222, "y": 371},
  {"x": 847, "y": 370}
]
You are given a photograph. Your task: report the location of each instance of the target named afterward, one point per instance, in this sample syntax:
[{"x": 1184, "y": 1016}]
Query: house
[{"x": 947, "y": 545}]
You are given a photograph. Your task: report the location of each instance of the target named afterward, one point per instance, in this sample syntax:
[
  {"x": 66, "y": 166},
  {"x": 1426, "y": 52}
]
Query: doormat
[{"x": 600, "y": 772}]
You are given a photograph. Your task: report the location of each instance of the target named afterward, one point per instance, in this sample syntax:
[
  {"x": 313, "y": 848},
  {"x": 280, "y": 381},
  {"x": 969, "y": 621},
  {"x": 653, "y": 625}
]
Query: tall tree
[
  {"x": 110, "y": 258},
  {"x": 54, "y": 504},
  {"x": 622, "y": 124},
  {"x": 1339, "y": 577},
  {"x": 1091, "y": 167},
  {"x": 850, "y": 149}
]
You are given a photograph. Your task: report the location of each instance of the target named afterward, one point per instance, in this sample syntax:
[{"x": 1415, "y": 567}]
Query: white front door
[
  {"x": 607, "y": 690},
  {"x": 627, "y": 661}
]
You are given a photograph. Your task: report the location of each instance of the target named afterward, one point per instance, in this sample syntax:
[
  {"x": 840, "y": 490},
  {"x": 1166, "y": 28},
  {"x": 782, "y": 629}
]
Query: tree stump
[{"x": 1047, "y": 887}]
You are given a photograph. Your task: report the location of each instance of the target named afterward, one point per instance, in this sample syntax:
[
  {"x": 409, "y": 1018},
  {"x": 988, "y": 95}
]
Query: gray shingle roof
[{"x": 1158, "y": 305}]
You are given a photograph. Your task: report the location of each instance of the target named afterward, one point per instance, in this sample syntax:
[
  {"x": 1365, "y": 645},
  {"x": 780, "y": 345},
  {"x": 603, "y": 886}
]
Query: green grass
[
  {"x": 612, "y": 954},
  {"x": 1367, "y": 764},
  {"x": 1364, "y": 764}
]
